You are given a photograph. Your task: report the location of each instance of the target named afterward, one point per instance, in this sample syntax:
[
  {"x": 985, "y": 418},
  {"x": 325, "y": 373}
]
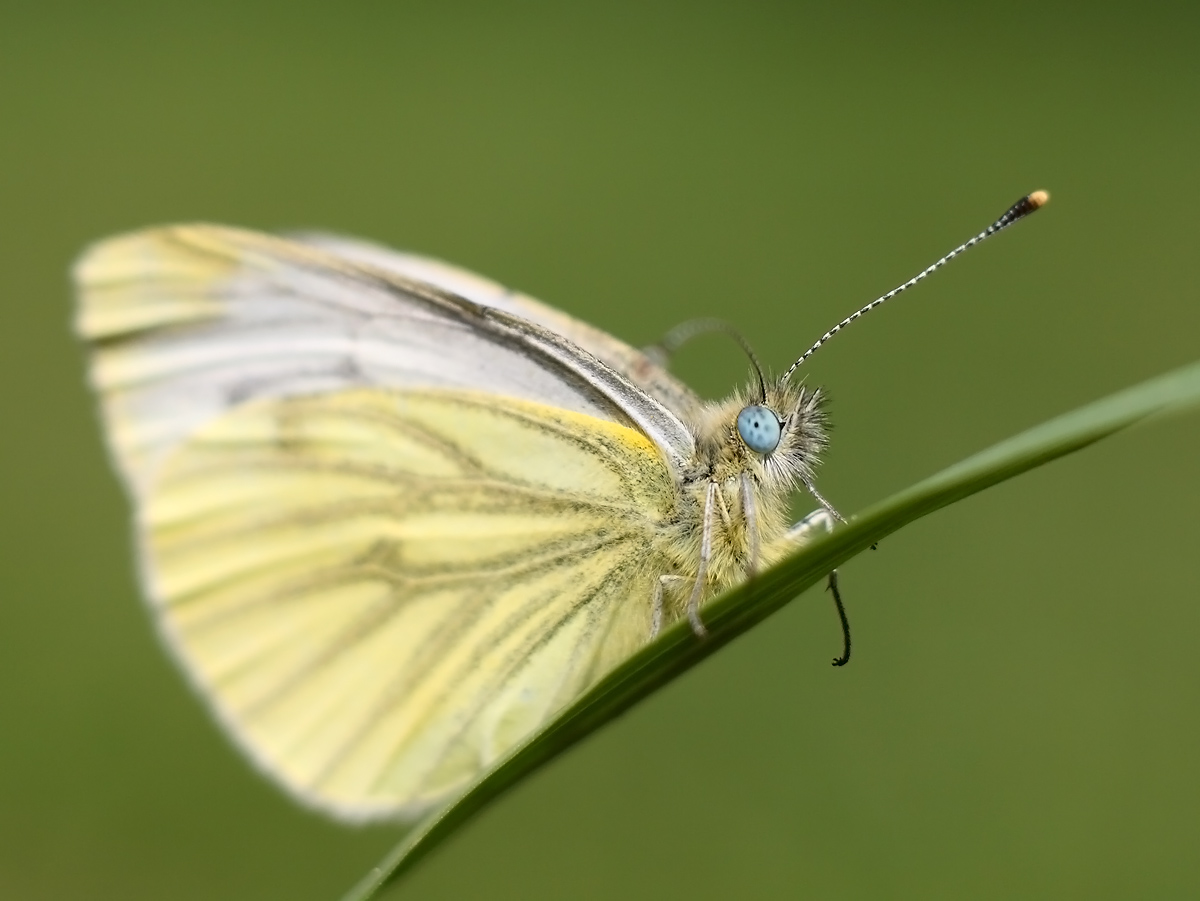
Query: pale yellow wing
[
  {"x": 381, "y": 592},
  {"x": 190, "y": 321}
]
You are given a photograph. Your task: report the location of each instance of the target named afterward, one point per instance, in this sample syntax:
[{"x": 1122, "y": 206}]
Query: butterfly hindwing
[{"x": 382, "y": 591}]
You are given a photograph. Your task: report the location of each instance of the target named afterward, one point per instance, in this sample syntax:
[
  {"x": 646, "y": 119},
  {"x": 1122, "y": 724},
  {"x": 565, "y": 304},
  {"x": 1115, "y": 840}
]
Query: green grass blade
[{"x": 736, "y": 611}]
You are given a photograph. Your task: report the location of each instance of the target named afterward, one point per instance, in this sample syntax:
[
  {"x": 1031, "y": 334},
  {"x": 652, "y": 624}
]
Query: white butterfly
[{"x": 392, "y": 516}]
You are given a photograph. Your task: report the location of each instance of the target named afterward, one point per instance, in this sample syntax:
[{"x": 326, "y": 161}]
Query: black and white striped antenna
[
  {"x": 666, "y": 346},
  {"x": 1030, "y": 203}
]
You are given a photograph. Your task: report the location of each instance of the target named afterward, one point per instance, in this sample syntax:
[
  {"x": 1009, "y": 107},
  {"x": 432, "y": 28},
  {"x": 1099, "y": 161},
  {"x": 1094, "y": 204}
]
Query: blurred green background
[{"x": 1020, "y": 718}]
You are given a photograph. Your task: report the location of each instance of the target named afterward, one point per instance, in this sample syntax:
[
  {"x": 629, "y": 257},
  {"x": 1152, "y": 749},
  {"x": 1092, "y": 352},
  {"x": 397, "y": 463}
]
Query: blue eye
[{"x": 759, "y": 428}]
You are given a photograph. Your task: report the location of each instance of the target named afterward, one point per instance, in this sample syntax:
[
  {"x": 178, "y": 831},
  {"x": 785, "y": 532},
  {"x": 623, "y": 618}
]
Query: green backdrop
[{"x": 1020, "y": 718}]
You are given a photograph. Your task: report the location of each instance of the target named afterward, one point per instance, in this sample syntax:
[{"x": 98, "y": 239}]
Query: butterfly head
[
  {"x": 785, "y": 434},
  {"x": 775, "y": 433}
]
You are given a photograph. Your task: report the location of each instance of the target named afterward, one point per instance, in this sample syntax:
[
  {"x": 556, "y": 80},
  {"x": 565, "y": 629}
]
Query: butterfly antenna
[
  {"x": 1028, "y": 204},
  {"x": 681, "y": 334}
]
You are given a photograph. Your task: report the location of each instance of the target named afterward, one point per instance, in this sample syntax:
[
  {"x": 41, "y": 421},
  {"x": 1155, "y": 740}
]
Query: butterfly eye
[{"x": 759, "y": 428}]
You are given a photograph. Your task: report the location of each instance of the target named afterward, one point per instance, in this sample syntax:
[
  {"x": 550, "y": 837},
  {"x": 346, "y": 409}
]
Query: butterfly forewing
[
  {"x": 191, "y": 321},
  {"x": 613, "y": 352}
]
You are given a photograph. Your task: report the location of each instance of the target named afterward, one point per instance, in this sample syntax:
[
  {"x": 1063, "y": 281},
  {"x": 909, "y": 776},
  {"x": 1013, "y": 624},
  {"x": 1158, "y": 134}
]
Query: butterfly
[{"x": 391, "y": 516}]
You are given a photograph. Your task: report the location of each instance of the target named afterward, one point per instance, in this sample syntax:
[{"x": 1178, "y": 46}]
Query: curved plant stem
[{"x": 728, "y": 616}]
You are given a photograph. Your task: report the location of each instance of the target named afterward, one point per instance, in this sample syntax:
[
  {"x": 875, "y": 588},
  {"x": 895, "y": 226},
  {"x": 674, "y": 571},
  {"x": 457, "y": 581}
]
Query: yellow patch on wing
[
  {"x": 130, "y": 286},
  {"x": 118, "y": 299},
  {"x": 382, "y": 592}
]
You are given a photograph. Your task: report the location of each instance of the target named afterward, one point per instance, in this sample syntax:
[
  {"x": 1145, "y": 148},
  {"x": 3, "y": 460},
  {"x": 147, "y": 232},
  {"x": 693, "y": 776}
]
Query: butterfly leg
[
  {"x": 750, "y": 514},
  {"x": 803, "y": 532},
  {"x": 844, "y": 658},
  {"x": 806, "y": 529},
  {"x": 656, "y": 609},
  {"x": 829, "y": 508},
  {"x": 693, "y": 608}
]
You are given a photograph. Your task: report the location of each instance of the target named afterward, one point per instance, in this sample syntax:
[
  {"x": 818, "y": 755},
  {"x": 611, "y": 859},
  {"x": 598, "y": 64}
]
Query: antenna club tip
[{"x": 1039, "y": 199}]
